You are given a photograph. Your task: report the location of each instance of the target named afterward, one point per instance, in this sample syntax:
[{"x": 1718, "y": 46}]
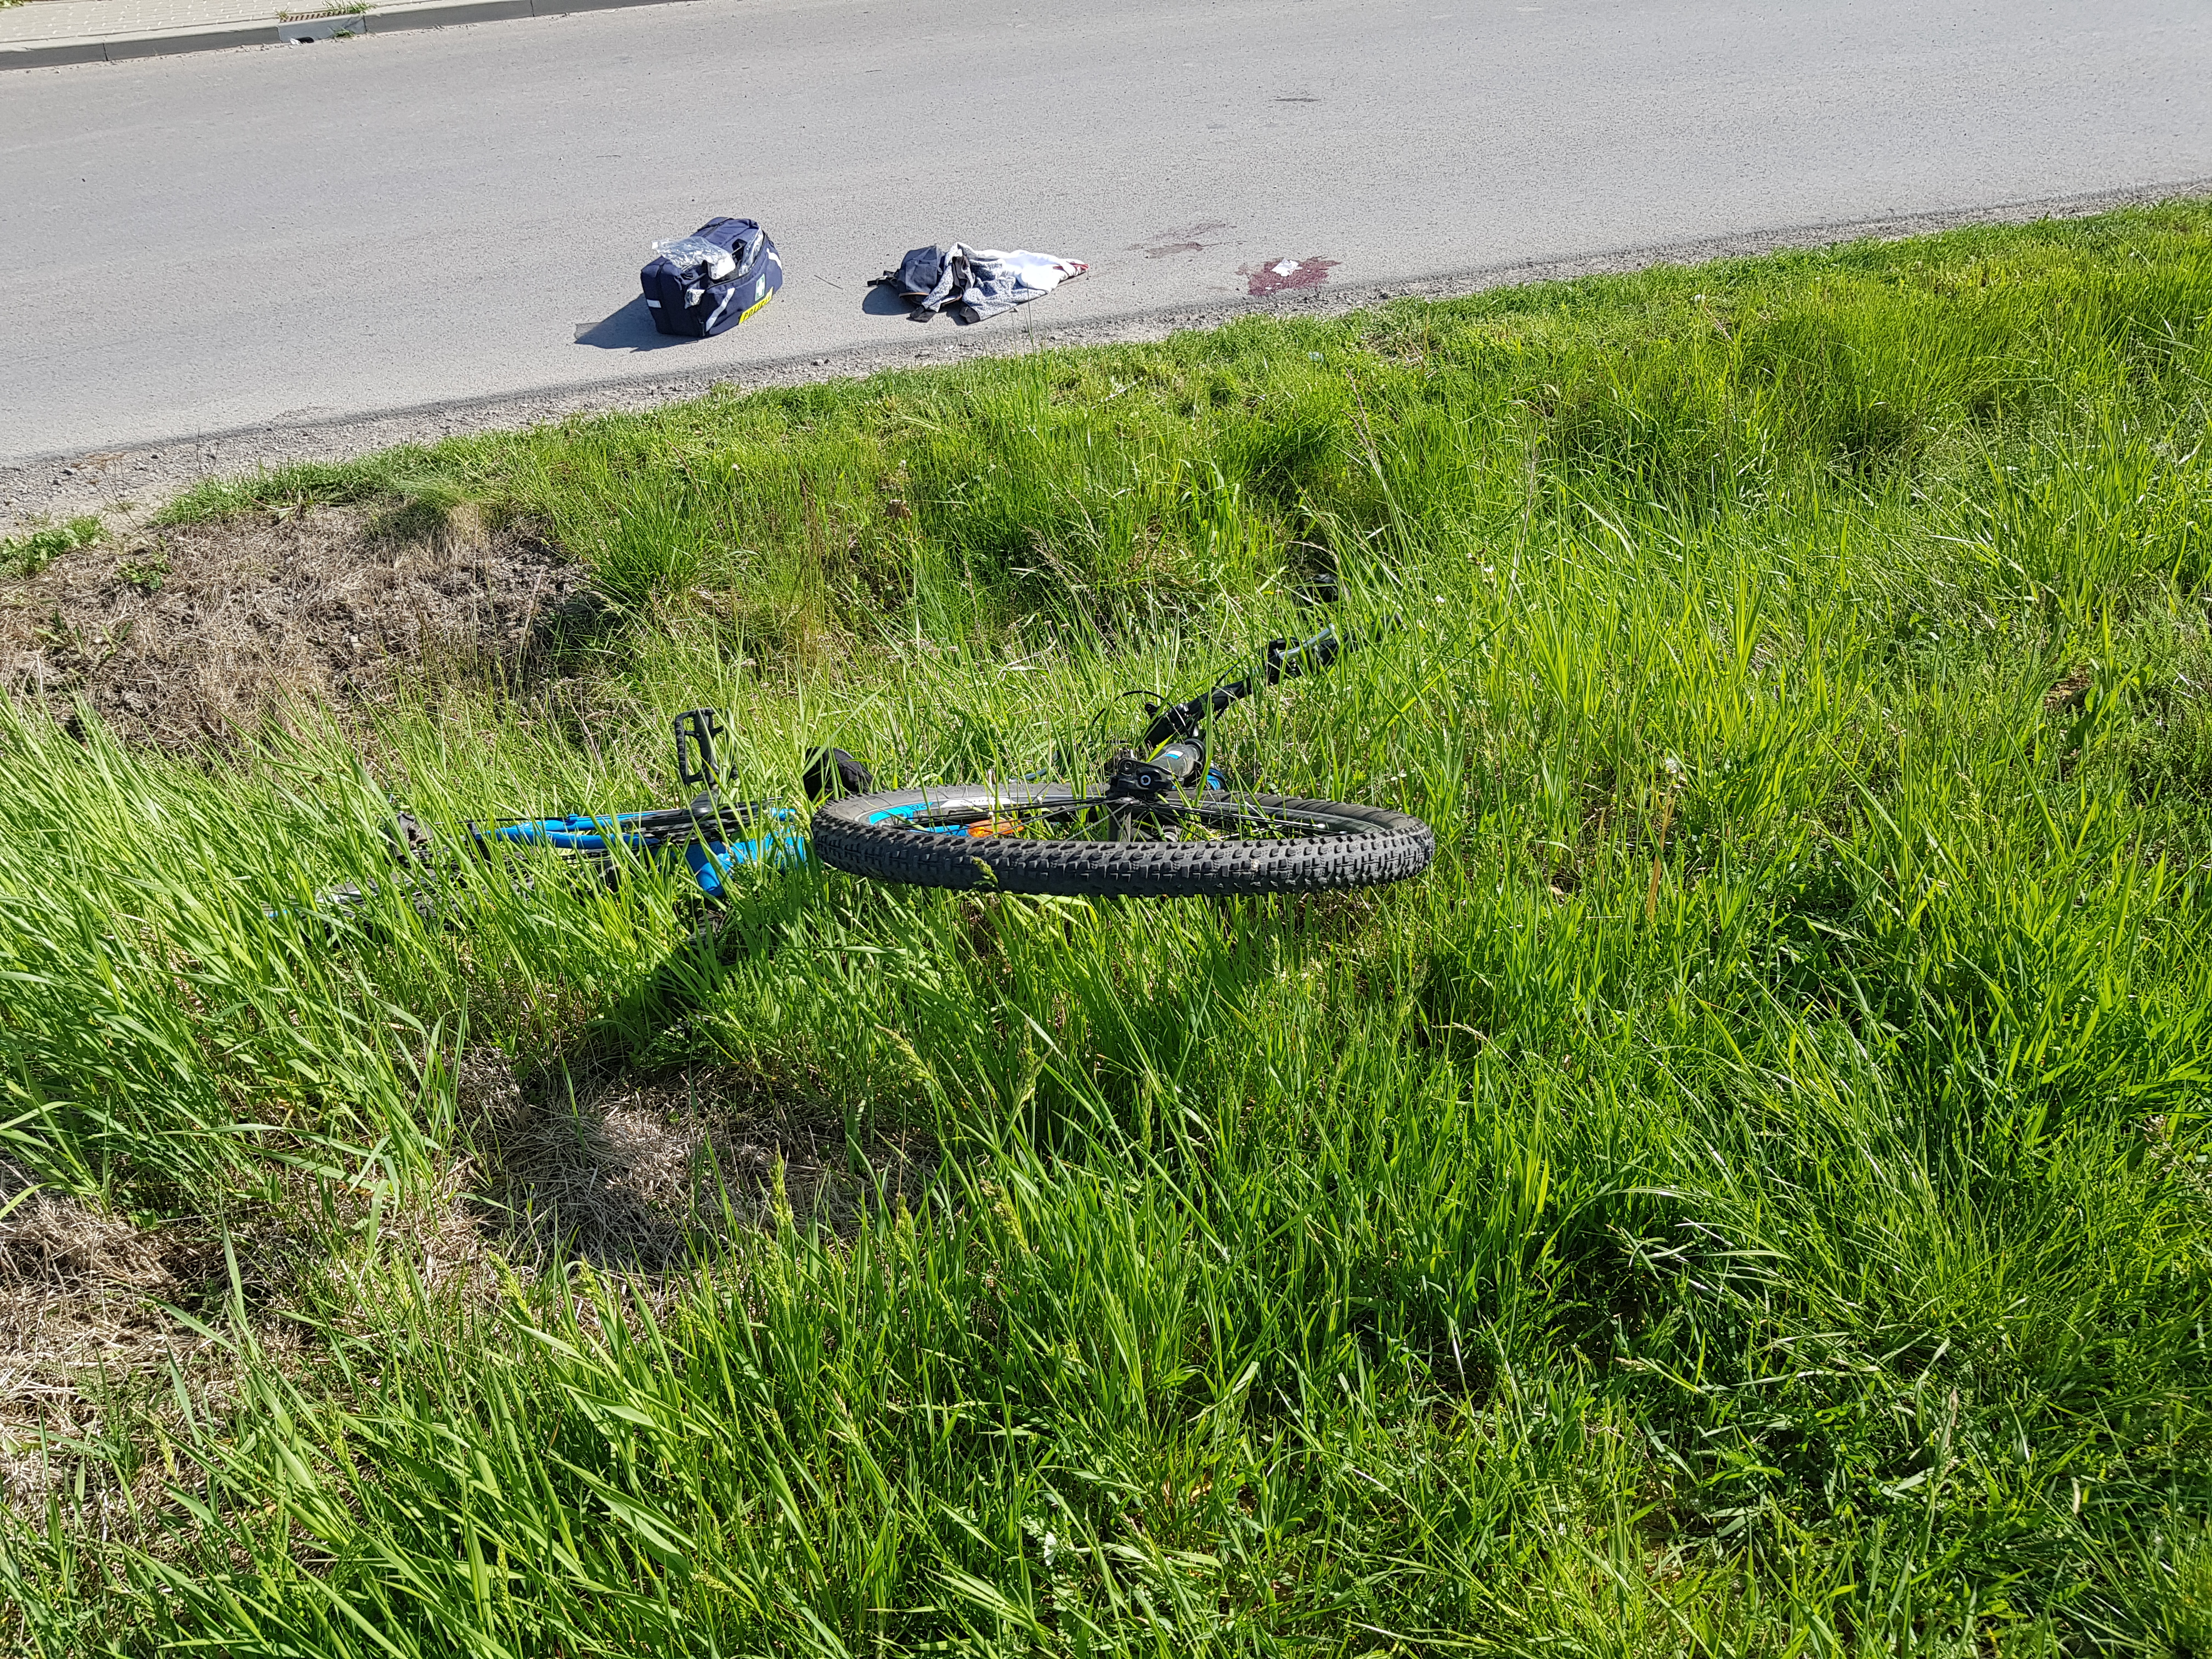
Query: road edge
[{"x": 86, "y": 480}]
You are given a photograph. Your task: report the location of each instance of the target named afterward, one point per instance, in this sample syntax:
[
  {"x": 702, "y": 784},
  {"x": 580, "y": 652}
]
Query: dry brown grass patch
[
  {"x": 197, "y": 631},
  {"x": 625, "y": 1169},
  {"x": 79, "y": 1312},
  {"x": 90, "y": 1348},
  {"x": 642, "y": 1176}
]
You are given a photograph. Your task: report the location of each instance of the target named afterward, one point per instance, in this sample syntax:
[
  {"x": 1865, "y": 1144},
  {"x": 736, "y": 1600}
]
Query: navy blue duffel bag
[{"x": 712, "y": 279}]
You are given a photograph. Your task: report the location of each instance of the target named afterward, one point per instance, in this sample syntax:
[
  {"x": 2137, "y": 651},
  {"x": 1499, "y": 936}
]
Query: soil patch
[
  {"x": 189, "y": 633},
  {"x": 642, "y": 1175},
  {"x": 79, "y": 1296},
  {"x": 636, "y": 1170}
]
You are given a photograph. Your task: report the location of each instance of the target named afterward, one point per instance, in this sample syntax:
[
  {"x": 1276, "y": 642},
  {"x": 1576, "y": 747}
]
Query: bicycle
[
  {"x": 1165, "y": 824},
  {"x": 709, "y": 835}
]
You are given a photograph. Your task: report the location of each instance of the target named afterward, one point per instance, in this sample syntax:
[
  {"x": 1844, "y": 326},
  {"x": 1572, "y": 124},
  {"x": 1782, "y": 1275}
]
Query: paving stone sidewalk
[
  {"x": 78, "y": 20},
  {"x": 52, "y": 32}
]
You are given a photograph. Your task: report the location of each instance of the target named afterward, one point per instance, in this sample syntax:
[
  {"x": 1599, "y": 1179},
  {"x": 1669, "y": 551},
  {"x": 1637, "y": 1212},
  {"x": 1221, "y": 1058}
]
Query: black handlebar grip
[{"x": 1285, "y": 661}]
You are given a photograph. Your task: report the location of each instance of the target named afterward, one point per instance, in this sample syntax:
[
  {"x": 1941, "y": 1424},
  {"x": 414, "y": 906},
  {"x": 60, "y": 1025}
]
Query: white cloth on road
[{"x": 973, "y": 282}]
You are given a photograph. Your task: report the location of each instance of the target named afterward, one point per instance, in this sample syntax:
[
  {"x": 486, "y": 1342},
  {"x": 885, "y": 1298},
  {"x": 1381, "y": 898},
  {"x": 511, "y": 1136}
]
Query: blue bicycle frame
[{"x": 710, "y": 840}]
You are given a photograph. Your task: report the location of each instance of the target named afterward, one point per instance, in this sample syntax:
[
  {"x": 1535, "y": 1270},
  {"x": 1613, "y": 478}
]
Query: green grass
[
  {"x": 28, "y": 554},
  {"x": 1750, "y": 1197}
]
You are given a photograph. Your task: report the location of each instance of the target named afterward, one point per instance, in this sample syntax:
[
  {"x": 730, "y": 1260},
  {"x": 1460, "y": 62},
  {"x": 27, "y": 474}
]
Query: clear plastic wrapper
[{"x": 690, "y": 253}]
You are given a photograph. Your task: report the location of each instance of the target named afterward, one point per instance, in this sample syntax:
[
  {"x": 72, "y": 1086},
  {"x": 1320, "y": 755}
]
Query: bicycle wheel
[{"x": 1048, "y": 839}]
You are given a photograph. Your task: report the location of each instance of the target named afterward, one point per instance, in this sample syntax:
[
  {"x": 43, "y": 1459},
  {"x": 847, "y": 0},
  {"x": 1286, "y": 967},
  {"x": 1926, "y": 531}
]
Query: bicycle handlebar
[{"x": 1285, "y": 661}]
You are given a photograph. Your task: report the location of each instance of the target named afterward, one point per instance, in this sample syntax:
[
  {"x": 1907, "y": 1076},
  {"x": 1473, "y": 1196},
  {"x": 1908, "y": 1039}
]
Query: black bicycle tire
[{"x": 1370, "y": 846}]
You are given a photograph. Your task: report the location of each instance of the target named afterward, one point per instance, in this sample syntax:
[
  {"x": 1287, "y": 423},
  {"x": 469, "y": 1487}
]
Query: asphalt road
[{"x": 294, "y": 235}]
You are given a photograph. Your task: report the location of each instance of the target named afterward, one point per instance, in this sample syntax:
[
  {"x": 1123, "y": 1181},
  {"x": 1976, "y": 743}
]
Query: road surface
[{"x": 297, "y": 235}]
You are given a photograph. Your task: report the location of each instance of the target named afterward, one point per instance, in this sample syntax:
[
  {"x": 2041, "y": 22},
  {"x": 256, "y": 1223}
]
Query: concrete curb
[{"x": 442, "y": 14}]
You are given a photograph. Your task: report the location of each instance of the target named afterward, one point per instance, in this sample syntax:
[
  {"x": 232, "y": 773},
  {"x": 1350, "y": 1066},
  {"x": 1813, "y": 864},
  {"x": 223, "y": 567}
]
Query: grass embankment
[{"x": 1749, "y": 1197}]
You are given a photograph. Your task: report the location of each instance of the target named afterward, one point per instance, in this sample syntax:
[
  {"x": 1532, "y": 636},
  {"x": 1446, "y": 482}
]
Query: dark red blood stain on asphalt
[{"x": 1278, "y": 275}]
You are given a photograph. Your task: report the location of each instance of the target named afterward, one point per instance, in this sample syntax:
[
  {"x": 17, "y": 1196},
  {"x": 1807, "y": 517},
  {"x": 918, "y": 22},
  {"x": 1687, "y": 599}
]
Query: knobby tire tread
[{"x": 1381, "y": 846}]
